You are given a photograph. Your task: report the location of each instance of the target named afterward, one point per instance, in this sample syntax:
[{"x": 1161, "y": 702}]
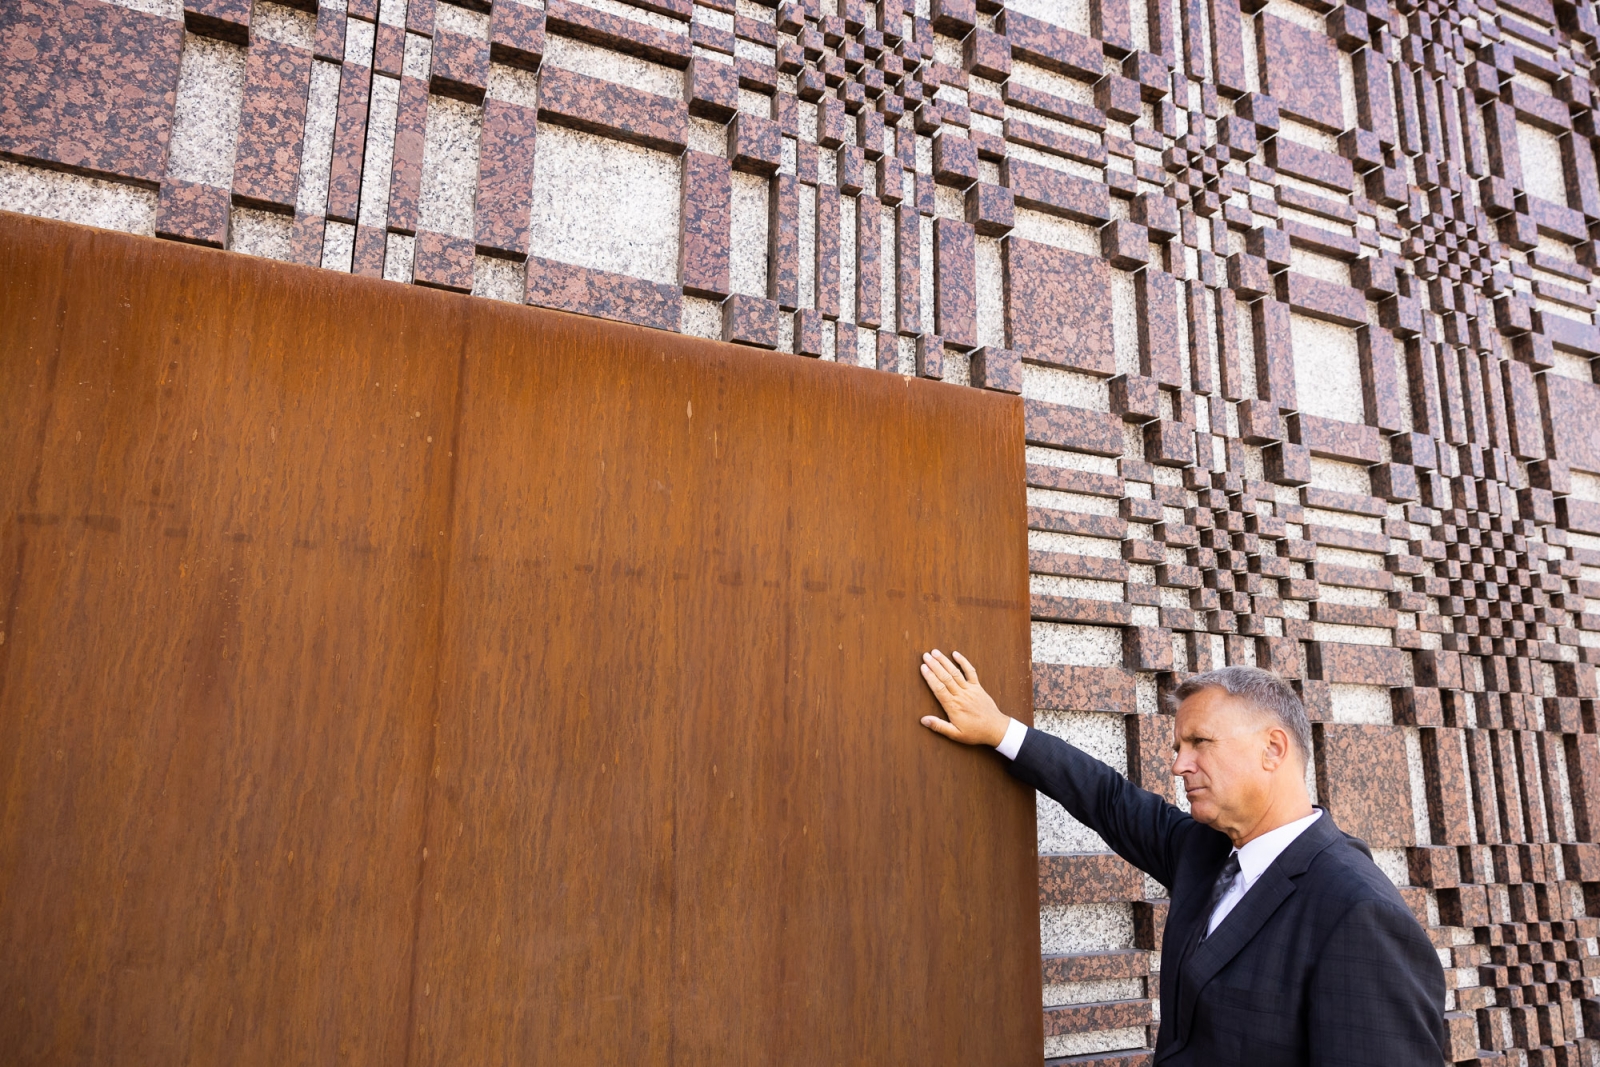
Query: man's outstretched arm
[{"x": 1139, "y": 826}]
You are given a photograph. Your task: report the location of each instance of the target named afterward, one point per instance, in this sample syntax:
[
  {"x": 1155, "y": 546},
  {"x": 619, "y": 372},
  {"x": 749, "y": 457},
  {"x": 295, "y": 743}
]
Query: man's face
[{"x": 1219, "y": 750}]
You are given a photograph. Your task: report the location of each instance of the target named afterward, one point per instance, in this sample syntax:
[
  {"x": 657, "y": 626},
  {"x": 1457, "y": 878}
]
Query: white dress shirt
[{"x": 1254, "y": 858}]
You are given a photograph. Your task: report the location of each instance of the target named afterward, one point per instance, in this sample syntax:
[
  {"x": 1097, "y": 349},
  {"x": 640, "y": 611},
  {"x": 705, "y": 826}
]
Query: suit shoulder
[{"x": 1344, "y": 874}]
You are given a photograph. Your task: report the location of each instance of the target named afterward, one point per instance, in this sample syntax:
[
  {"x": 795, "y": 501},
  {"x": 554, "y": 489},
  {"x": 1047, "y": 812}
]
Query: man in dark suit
[{"x": 1284, "y": 942}]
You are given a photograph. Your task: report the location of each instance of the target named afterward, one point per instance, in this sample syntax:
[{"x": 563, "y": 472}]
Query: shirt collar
[{"x": 1257, "y": 855}]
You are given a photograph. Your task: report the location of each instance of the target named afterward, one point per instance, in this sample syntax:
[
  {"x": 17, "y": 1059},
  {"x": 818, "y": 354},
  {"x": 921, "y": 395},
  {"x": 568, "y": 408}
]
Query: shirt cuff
[{"x": 1011, "y": 743}]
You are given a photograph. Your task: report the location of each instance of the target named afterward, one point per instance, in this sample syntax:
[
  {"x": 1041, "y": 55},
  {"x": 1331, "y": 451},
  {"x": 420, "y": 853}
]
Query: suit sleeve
[
  {"x": 1377, "y": 994},
  {"x": 1139, "y": 826}
]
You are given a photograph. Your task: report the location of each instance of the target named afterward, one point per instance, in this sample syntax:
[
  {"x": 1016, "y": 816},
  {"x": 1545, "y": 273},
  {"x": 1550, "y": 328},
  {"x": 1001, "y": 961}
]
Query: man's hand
[{"x": 974, "y": 718}]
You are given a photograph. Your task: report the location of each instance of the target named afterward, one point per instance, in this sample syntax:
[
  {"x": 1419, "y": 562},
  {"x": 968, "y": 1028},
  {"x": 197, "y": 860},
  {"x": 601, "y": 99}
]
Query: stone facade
[{"x": 1300, "y": 297}]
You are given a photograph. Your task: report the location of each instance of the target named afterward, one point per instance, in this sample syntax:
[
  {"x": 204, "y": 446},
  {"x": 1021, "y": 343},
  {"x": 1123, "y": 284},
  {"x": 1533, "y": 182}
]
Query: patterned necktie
[{"x": 1225, "y": 879}]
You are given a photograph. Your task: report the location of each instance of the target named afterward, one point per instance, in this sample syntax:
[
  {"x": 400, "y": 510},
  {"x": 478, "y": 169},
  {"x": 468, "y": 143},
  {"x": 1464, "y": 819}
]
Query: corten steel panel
[
  {"x": 221, "y": 573},
  {"x": 627, "y": 652}
]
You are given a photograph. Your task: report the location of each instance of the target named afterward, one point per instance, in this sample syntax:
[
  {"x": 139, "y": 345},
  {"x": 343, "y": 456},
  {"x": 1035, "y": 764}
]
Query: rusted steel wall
[{"x": 391, "y": 677}]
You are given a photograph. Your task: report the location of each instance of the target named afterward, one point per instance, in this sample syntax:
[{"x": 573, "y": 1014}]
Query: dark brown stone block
[
  {"x": 908, "y": 268},
  {"x": 1060, "y": 687},
  {"x": 266, "y": 168},
  {"x": 460, "y": 65},
  {"x": 349, "y": 143},
  {"x": 88, "y": 87},
  {"x": 226, "y": 20},
  {"x": 442, "y": 261},
  {"x": 783, "y": 233},
  {"x": 1072, "y": 609},
  {"x": 1064, "y": 426},
  {"x": 751, "y": 320},
  {"x": 1363, "y": 781},
  {"x": 410, "y": 143},
  {"x": 1096, "y": 966},
  {"x": 713, "y": 90},
  {"x": 955, "y": 291},
  {"x": 630, "y": 36},
  {"x": 754, "y": 144},
  {"x": 827, "y": 266},
  {"x": 1058, "y": 307},
  {"x": 998, "y": 369},
  {"x": 372, "y": 244},
  {"x": 596, "y": 106},
  {"x": 188, "y": 211},
  {"x": 1087, "y": 878},
  {"x": 1302, "y": 71},
  {"x": 1357, "y": 664},
  {"x": 869, "y": 261},
  {"x": 516, "y": 34},
  {"x": 603, "y": 294},
  {"x": 990, "y": 209},
  {"x": 1050, "y": 46},
  {"x": 1056, "y": 193},
  {"x": 505, "y": 178}
]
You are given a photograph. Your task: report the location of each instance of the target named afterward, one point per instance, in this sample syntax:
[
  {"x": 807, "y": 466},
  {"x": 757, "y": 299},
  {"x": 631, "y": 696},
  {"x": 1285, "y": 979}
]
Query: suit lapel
[{"x": 1265, "y": 897}]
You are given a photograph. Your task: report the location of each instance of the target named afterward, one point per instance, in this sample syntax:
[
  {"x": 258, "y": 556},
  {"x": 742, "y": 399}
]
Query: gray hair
[{"x": 1262, "y": 690}]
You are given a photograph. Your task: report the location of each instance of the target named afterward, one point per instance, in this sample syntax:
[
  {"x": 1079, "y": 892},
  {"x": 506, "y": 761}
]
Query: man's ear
[{"x": 1277, "y": 748}]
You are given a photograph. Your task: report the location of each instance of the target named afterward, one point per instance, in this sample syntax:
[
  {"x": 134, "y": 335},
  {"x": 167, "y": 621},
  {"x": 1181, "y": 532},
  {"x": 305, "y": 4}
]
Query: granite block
[
  {"x": 226, "y": 20},
  {"x": 1058, "y": 307},
  {"x": 754, "y": 144},
  {"x": 1159, "y": 327},
  {"x": 305, "y": 240},
  {"x": 1364, "y": 781},
  {"x": 707, "y": 218},
  {"x": 626, "y": 35},
  {"x": 1328, "y": 301},
  {"x": 1227, "y": 52},
  {"x": 583, "y": 103},
  {"x": 908, "y": 267},
  {"x": 1335, "y": 438},
  {"x": 1096, "y": 966},
  {"x": 1050, "y": 46},
  {"x": 1087, "y": 878},
  {"x": 712, "y": 90},
  {"x": 410, "y": 143},
  {"x": 751, "y": 320},
  {"x": 1057, "y": 193},
  {"x": 955, "y": 161},
  {"x": 1045, "y": 608},
  {"x": 783, "y": 232},
  {"x": 88, "y": 87},
  {"x": 1569, "y": 410},
  {"x": 1064, "y": 426},
  {"x": 869, "y": 261},
  {"x": 266, "y": 169},
  {"x": 603, "y": 294},
  {"x": 188, "y": 211},
  {"x": 349, "y": 143},
  {"x": 1095, "y": 1016},
  {"x": 516, "y": 35},
  {"x": 1357, "y": 664},
  {"x": 371, "y": 245},
  {"x": 505, "y": 179},
  {"x": 827, "y": 251},
  {"x": 991, "y": 210},
  {"x": 329, "y": 40},
  {"x": 460, "y": 66},
  {"x": 888, "y": 351},
  {"x": 389, "y": 50},
  {"x": 955, "y": 288},
  {"x": 1274, "y": 353},
  {"x": 998, "y": 369},
  {"x": 1302, "y": 72}
]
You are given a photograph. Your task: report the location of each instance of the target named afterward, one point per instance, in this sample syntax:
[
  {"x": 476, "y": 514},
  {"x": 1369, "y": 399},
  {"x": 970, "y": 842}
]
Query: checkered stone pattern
[{"x": 1299, "y": 298}]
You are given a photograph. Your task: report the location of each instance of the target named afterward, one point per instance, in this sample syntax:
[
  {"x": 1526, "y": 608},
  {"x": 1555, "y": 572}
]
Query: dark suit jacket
[{"x": 1320, "y": 963}]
